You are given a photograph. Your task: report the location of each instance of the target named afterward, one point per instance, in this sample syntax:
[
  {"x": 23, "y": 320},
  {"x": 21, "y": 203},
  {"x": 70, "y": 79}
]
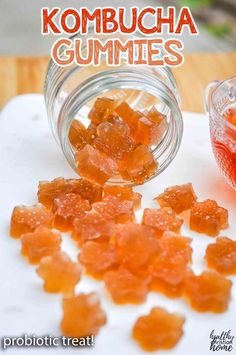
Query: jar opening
[{"x": 135, "y": 87}]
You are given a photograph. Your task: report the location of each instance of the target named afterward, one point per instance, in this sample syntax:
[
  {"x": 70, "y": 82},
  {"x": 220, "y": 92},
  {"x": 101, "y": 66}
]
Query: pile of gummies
[
  {"x": 129, "y": 257},
  {"x": 117, "y": 142}
]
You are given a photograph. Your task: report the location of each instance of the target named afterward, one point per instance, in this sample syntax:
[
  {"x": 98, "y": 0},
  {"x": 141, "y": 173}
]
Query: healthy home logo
[{"x": 222, "y": 341}]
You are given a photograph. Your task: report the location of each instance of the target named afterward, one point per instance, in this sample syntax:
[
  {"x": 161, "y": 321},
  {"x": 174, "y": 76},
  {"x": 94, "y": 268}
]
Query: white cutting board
[{"x": 28, "y": 154}]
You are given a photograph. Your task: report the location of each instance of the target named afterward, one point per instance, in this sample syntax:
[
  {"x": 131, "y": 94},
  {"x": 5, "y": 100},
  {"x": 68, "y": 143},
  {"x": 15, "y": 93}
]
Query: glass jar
[
  {"x": 70, "y": 92},
  {"x": 221, "y": 107}
]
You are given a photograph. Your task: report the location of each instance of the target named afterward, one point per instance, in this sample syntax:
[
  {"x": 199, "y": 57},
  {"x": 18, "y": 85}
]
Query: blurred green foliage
[
  {"x": 195, "y": 4},
  {"x": 218, "y": 30}
]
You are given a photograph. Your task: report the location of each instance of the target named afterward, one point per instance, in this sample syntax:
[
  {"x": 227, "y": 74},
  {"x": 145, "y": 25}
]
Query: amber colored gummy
[
  {"x": 208, "y": 292},
  {"x": 138, "y": 165},
  {"x": 180, "y": 197},
  {"x": 42, "y": 242},
  {"x": 171, "y": 266},
  {"x": 59, "y": 273},
  {"x": 129, "y": 116},
  {"x": 162, "y": 220},
  {"x": 126, "y": 287},
  {"x": 68, "y": 207},
  {"x": 124, "y": 193},
  {"x": 221, "y": 256},
  {"x": 113, "y": 208},
  {"x": 26, "y": 219},
  {"x": 49, "y": 190},
  {"x": 207, "y": 217},
  {"x": 102, "y": 109},
  {"x": 150, "y": 128},
  {"x": 113, "y": 139},
  {"x": 97, "y": 258},
  {"x": 92, "y": 226},
  {"x": 94, "y": 165},
  {"x": 158, "y": 330},
  {"x": 82, "y": 315},
  {"x": 78, "y": 134},
  {"x": 135, "y": 245}
]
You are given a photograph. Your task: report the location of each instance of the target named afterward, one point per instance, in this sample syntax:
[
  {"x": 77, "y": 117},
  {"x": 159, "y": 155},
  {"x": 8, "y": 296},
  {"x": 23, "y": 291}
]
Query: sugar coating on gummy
[
  {"x": 162, "y": 220},
  {"x": 124, "y": 193},
  {"x": 207, "y": 217},
  {"x": 91, "y": 227},
  {"x": 179, "y": 197},
  {"x": 111, "y": 207},
  {"x": 25, "y": 219},
  {"x": 49, "y": 190},
  {"x": 68, "y": 207}
]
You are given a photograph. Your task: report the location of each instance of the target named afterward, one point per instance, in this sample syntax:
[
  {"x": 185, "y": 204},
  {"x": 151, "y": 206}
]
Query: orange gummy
[
  {"x": 113, "y": 139},
  {"x": 158, "y": 330},
  {"x": 94, "y": 165},
  {"x": 59, "y": 273},
  {"x": 25, "y": 219},
  {"x": 115, "y": 209},
  {"x": 208, "y": 292},
  {"x": 125, "y": 287},
  {"x": 129, "y": 116},
  {"x": 42, "y": 242},
  {"x": 180, "y": 197},
  {"x": 82, "y": 315},
  {"x": 138, "y": 165},
  {"x": 135, "y": 245},
  {"x": 98, "y": 257},
  {"x": 102, "y": 109},
  {"x": 124, "y": 193},
  {"x": 230, "y": 116},
  {"x": 68, "y": 207},
  {"x": 207, "y": 217},
  {"x": 91, "y": 133},
  {"x": 92, "y": 226},
  {"x": 162, "y": 220},
  {"x": 78, "y": 135},
  {"x": 156, "y": 116},
  {"x": 150, "y": 128},
  {"x": 170, "y": 267},
  {"x": 221, "y": 256},
  {"x": 49, "y": 190}
]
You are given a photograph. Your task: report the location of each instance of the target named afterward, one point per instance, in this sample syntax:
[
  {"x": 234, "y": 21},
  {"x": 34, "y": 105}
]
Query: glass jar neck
[{"x": 125, "y": 79}]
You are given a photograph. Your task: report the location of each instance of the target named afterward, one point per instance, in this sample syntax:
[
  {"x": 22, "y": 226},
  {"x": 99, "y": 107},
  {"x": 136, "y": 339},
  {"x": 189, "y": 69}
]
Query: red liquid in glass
[{"x": 225, "y": 147}]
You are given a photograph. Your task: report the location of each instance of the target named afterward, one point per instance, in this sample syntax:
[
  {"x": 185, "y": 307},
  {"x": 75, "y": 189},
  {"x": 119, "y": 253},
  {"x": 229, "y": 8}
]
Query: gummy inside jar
[{"x": 115, "y": 139}]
